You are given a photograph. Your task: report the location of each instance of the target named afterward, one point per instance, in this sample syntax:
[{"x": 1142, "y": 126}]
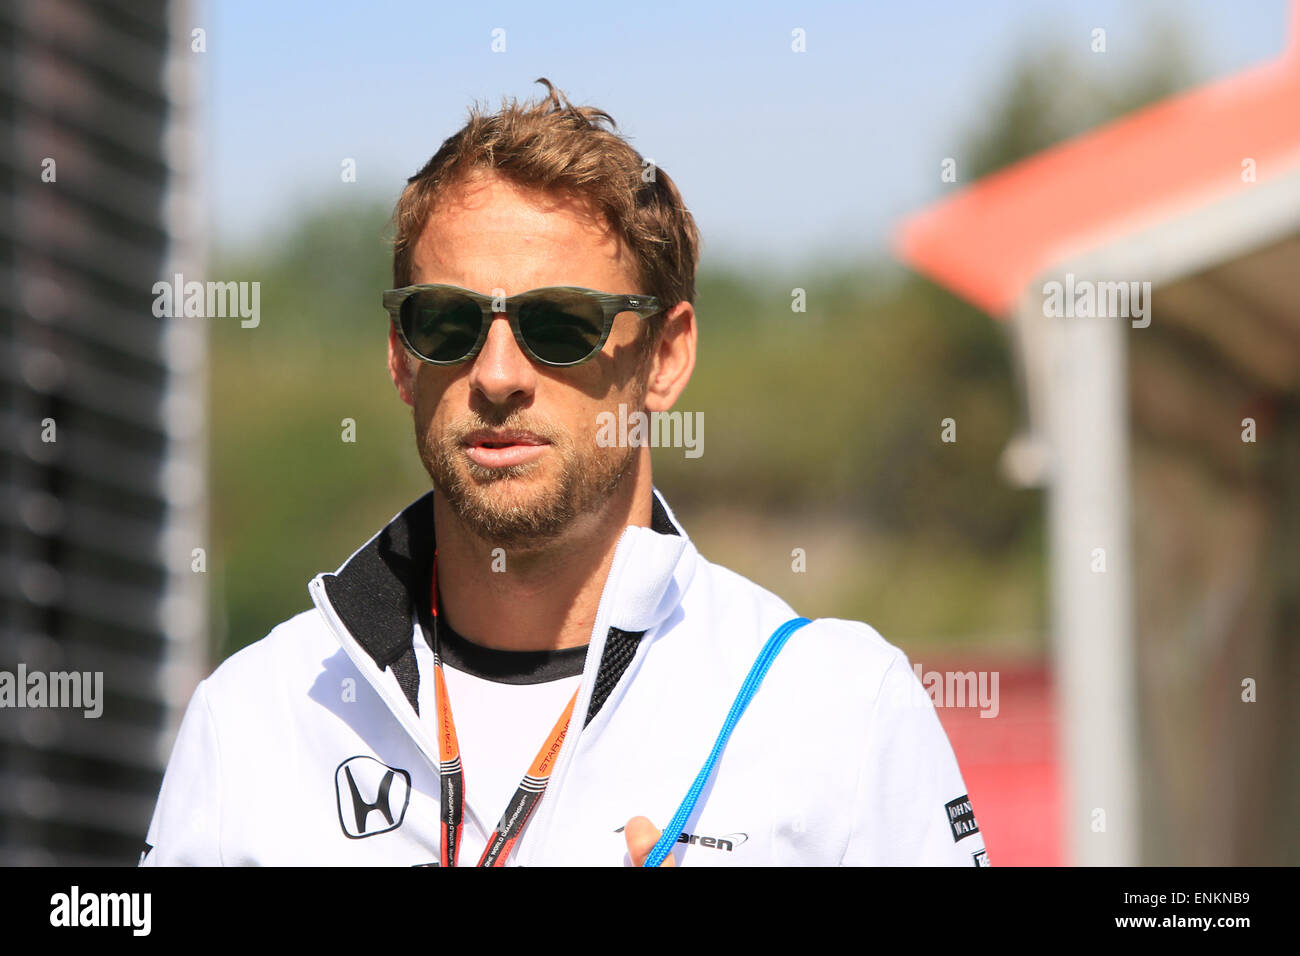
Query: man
[{"x": 529, "y": 664}]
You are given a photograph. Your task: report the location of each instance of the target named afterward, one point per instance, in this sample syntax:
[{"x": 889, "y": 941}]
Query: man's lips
[{"x": 500, "y": 449}]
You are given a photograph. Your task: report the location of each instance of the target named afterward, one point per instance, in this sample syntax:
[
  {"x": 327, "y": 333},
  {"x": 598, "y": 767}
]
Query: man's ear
[
  {"x": 672, "y": 359},
  {"x": 402, "y": 369}
]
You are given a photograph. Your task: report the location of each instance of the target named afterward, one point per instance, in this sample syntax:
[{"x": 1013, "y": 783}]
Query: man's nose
[{"x": 501, "y": 371}]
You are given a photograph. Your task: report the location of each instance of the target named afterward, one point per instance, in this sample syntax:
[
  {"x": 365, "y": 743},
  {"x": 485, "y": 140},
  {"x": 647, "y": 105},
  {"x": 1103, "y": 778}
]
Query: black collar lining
[{"x": 376, "y": 591}]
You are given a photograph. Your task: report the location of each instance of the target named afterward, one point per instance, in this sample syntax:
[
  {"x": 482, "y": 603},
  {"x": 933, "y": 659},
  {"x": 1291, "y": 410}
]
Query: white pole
[{"x": 1086, "y": 398}]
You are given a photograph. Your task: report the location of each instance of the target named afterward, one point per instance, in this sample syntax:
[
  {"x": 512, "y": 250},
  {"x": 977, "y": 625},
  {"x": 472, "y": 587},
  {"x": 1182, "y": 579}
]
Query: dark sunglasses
[{"x": 557, "y": 326}]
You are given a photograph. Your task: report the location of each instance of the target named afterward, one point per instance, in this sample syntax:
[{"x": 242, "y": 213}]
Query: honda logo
[{"x": 372, "y": 796}]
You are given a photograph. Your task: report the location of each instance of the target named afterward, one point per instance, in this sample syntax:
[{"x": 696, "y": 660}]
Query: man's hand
[{"x": 641, "y": 838}]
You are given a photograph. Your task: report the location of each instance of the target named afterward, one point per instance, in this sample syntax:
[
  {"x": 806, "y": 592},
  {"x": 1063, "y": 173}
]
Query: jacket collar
[{"x": 382, "y": 591}]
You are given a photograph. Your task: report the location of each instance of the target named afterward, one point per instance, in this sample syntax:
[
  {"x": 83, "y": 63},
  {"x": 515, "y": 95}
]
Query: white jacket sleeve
[
  {"x": 185, "y": 830},
  {"x": 911, "y": 806}
]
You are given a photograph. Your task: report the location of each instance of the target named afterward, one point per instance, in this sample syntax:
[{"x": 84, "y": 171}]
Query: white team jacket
[{"x": 306, "y": 747}]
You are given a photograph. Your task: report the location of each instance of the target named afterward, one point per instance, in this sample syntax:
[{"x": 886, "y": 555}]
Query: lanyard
[{"x": 452, "y": 775}]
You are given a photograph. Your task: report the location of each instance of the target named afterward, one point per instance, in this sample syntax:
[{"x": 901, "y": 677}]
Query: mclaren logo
[
  {"x": 372, "y": 796},
  {"x": 728, "y": 842}
]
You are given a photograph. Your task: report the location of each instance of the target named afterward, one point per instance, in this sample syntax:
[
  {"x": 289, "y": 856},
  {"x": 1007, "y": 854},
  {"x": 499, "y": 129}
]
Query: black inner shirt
[{"x": 508, "y": 667}]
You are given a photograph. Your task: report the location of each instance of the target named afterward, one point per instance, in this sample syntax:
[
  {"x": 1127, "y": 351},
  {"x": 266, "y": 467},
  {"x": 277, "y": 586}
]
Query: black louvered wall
[{"x": 98, "y": 524}]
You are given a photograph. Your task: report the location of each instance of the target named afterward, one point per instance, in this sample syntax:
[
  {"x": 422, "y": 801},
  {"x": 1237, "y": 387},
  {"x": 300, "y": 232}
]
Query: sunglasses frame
[{"x": 611, "y": 305}]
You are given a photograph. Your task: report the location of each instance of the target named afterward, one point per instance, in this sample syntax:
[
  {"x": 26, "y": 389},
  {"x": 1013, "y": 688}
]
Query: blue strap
[{"x": 747, "y": 691}]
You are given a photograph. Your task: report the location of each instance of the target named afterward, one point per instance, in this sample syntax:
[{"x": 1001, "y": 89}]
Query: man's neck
[{"x": 542, "y": 599}]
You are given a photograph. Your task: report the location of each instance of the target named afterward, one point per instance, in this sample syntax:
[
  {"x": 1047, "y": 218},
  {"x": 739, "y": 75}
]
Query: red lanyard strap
[{"x": 452, "y": 775}]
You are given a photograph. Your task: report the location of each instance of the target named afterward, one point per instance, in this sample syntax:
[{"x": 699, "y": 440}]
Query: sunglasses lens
[
  {"x": 441, "y": 325},
  {"x": 562, "y": 328}
]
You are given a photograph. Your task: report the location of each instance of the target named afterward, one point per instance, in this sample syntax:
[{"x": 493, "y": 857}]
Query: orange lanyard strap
[{"x": 452, "y": 775}]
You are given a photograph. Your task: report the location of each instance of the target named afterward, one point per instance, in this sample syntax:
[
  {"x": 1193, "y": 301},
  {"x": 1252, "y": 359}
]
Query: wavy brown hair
[{"x": 551, "y": 144}]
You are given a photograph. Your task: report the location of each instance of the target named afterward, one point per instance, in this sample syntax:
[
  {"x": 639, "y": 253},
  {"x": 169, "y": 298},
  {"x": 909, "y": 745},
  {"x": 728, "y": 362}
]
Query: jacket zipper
[{"x": 599, "y": 636}]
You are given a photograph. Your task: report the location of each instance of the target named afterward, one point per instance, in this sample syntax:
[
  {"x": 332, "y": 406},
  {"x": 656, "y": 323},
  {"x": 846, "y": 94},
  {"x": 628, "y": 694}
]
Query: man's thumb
[{"x": 641, "y": 837}]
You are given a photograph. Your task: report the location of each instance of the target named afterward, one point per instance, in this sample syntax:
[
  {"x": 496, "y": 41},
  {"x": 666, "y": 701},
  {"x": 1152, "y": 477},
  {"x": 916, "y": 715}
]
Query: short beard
[{"x": 585, "y": 484}]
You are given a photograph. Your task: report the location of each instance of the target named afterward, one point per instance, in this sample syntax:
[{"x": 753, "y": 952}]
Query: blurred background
[{"x": 917, "y": 172}]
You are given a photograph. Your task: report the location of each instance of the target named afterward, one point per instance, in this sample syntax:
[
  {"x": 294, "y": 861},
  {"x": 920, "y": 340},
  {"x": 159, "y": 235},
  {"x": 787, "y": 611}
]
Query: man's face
[{"x": 510, "y": 444}]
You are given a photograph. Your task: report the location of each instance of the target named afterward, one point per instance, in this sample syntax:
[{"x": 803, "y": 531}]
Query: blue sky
[{"x": 781, "y": 156}]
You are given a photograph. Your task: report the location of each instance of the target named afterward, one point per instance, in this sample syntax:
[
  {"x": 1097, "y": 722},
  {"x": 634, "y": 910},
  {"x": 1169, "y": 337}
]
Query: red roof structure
[{"x": 988, "y": 241}]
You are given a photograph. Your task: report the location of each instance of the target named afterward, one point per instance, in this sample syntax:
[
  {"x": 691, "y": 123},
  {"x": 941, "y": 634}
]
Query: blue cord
[{"x": 747, "y": 690}]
